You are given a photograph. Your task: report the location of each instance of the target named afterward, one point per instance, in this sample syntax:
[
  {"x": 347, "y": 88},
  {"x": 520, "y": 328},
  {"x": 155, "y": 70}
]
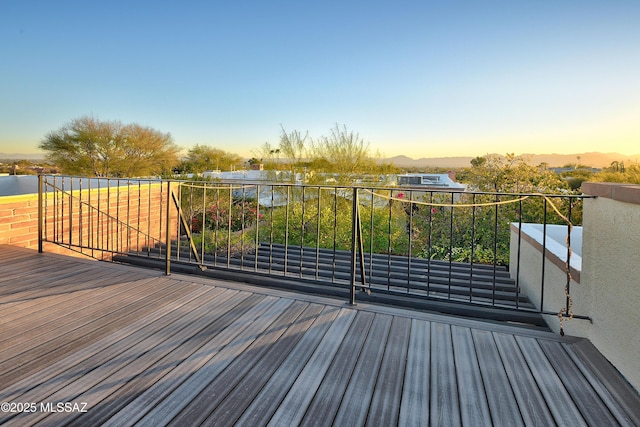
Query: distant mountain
[
  {"x": 595, "y": 160},
  {"x": 19, "y": 156},
  {"x": 432, "y": 162}
]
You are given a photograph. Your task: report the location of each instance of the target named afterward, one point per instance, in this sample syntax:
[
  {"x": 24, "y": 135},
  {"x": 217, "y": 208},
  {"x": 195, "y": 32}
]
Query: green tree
[
  {"x": 481, "y": 233},
  {"x": 576, "y": 177},
  {"x": 322, "y": 217},
  {"x": 202, "y": 158},
  {"x": 269, "y": 156},
  {"x": 294, "y": 147},
  {"x": 346, "y": 152},
  {"x": 618, "y": 173},
  {"x": 87, "y": 146},
  {"x": 511, "y": 174},
  {"x": 342, "y": 153},
  {"x": 478, "y": 161}
]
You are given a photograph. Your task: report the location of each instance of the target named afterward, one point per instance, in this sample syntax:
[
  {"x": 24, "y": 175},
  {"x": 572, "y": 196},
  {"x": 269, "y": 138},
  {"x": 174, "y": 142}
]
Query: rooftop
[{"x": 140, "y": 347}]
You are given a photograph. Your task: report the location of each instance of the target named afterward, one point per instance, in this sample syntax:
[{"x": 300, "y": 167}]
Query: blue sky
[{"x": 420, "y": 78}]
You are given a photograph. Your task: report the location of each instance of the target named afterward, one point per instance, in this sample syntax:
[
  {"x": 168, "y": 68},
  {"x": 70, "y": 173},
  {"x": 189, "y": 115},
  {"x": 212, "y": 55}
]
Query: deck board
[
  {"x": 77, "y": 310},
  {"x": 293, "y": 406},
  {"x": 330, "y": 393},
  {"x": 414, "y": 407},
  {"x": 533, "y": 407},
  {"x": 499, "y": 391},
  {"x": 233, "y": 331},
  {"x": 141, "y": 347},
  {"x": 102, "y": 351},
  {"x": 610, "y": 398},
  {"x": 77, "y": 334},
  {"x": 473, "y": 399},
  {"x": 236, "y": 402},
  {"x": 199, "y": 408},
  {"x": 95, "y": 385},
  {"x": 444, "y": 405},
  {"x": 214, "y": 357},
  {"x": 560, "y": 404},
  {"x": 266, "y": 403},
  {"x": 356, "y": 401},
  {"x": 385, "y": 403},
  {"x": 586, "y": 398},
  {"x": 195, "y": 336}
]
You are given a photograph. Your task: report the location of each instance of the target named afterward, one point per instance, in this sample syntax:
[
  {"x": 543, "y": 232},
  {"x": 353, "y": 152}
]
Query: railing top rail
[
  {"x": 251, "y": 183},
  {"x": 101, "y": 178},
  {"x": 380, "y": 187}
]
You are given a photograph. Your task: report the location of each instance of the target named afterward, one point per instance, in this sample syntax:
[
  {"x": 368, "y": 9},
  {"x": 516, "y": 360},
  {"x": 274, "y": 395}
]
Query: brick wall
[
  {"x": 94, "y": 223},
  {"x": 19, "y": 221}
]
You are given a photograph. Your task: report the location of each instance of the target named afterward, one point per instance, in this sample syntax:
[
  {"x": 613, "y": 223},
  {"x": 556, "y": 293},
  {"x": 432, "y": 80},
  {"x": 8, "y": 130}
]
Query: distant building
[
  {"x": 431, "y": 181},
  {"x": 252, "y": 175}
]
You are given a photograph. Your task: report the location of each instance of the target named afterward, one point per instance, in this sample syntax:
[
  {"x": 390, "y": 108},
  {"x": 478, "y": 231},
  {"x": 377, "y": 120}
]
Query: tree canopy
[
  {"x": 343, "y": 152},
  {"x": 512, "y": 174},
  {"x": 618, "y": 172},
  {"x": 87, "y": 146},
  {"x": 202, "y": 158}
]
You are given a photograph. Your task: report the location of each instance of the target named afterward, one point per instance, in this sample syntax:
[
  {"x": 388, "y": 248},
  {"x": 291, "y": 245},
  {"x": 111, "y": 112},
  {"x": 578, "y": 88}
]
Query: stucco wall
[
  {"x": 549, "y": 294},
  {"x": 611, "y": 271},
  {"x": 607, "y": 289}
]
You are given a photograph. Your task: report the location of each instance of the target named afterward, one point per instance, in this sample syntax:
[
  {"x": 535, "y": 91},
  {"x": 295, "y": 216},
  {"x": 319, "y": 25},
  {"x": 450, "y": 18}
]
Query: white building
[{"x": 431, "y": 181}]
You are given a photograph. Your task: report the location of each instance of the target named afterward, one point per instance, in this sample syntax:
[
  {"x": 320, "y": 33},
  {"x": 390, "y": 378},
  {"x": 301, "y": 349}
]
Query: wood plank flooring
[{"x": 141, "y": 348}]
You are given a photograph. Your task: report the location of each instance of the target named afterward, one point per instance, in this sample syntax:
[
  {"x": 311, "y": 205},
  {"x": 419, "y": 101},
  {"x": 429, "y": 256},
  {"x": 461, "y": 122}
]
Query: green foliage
[
  {"x": 345, "y": 151},
  {"x": 511, "y": 174},
  {"x": 315, "y": 217},
  {"x": 225, "y": 242},
  {"x": 574, "y": 178},
  {"x": 384, "y": 229},
  {"x": 309, "y": 220},
  {"x": 202, "y": 158},
  {"x": 482, "y": 233},
  {"x": 294, "y": 147},
  {"x": 221, "y": 221},
  {"x": 619, "y": 173},
  {"x": 269, "y": 156},
  {"x": 342, "y": 153},
  {"x": 323, "y": 218},
  {"x": 234, "y": 216},
  {"x": 87, "y": 146},
  {"x": 431, "y": 225}
]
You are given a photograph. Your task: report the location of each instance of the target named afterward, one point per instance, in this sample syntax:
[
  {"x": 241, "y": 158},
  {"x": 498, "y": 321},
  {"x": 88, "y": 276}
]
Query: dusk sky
[{"x": 419, "y": 78}]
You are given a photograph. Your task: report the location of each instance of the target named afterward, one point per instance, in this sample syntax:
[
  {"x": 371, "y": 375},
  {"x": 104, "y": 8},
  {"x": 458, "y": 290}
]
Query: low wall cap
[{"x": 629, "y": 193}]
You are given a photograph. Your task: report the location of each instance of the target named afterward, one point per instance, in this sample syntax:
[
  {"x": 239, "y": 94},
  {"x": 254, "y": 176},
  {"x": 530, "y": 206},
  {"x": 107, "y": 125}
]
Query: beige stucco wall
[
  {"x": 529, "y": 276},
  {"x": 608, "y": 289},
  {"x": 611, "y": 271}
]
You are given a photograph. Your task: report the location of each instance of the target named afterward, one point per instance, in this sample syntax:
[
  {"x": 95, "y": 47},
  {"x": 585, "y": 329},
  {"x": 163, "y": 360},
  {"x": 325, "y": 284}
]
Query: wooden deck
[{"x": 141, "y": 348}]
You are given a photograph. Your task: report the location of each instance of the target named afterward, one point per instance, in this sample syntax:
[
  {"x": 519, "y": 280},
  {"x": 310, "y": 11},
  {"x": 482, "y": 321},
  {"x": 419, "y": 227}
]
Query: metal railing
[
  {"x": 102, "y": 217},
  {"x": 402, "y": 241}
]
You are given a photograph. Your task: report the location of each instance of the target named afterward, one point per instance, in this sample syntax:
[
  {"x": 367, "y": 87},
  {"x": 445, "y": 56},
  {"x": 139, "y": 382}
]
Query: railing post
[
  {"x": 40, "y": 214},
  {"x": 167, "y": 254},
  {"x": 354, "y": 236},
  {"x": 568, "y": 267}
]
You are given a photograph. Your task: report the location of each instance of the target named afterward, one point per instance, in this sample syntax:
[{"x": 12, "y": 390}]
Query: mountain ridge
[
  {"x": 591, "y": 159},
  {"x": 22, "y": 156}
]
